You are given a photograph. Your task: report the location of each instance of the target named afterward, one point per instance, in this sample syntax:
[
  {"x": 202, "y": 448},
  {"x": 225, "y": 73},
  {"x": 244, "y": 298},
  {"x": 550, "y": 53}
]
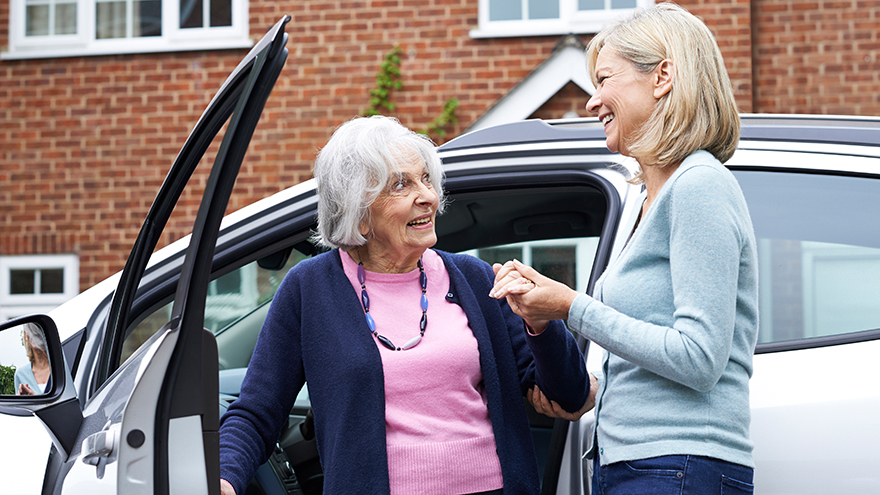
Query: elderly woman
[
  {"x": 677, "y": 311},
  {"x": 415, "y": 374},
  {"x": 31, "y": 379}
]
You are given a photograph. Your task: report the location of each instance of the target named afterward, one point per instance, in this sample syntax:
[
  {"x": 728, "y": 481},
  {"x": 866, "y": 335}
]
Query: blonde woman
[
  {"x": 677, "y": 311},
  {"x": 32, "y": 378}
]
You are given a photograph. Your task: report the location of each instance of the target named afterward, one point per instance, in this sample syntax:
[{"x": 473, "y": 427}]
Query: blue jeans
[{"x": 674, "y": 474}]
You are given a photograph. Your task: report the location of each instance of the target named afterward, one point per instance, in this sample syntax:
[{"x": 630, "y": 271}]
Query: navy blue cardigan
[{"x": 315, "y": 331}]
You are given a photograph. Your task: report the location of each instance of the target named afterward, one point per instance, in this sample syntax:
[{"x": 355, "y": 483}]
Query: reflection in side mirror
[{"x": 24, "y": 361}]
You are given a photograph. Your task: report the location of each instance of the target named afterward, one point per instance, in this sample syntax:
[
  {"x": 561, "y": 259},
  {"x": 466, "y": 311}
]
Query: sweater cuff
[{"x": 578, "y": 311}]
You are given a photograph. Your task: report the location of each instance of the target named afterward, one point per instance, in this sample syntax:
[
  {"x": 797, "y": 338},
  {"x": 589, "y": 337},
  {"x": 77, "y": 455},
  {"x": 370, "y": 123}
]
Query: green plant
[
  {"x": 445, "y": 118},
  {"x": 7, "y": 380},
  {"x": 388, "y": 79}
]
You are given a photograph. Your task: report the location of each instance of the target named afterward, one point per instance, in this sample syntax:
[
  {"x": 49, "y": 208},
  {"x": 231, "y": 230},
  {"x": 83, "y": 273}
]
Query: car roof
[
  {"x": 813, "y": 138},
  {"x": 778, "y": 127}
]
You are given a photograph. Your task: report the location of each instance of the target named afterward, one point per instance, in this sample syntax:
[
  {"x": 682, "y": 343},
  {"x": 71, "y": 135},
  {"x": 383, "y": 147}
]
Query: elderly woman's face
[
  {"x": 403, "y": 215},
  {"x": 624, "y": 98}
]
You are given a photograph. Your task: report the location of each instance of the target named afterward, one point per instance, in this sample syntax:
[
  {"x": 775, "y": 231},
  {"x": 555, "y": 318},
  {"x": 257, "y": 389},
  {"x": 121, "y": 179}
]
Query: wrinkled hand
[
  {"x": 226, "y": 488},
  {"x": 552, "y": 409},
  {"x": 534, "y": 297},
  {"x": 25, "y": 389}
]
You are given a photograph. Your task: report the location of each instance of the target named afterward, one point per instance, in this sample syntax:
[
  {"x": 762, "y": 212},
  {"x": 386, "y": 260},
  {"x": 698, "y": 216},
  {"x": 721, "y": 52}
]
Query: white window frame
[
  {"x": 84, "y": 43},
  {"x": 585, "y": 252},
  {"x": 571, "y": 21},
  {"x": 13, "y": 305}
]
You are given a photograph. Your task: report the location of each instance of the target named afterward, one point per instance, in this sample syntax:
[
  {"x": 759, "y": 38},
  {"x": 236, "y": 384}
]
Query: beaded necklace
[{"x": 365, "y": 301}]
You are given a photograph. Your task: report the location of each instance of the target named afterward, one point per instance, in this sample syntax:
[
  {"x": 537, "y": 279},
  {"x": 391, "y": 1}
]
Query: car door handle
[{"x": 101, "y": 448}]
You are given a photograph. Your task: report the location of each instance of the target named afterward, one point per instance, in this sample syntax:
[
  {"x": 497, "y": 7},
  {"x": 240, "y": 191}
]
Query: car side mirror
[{"x": 34, "y": 379}]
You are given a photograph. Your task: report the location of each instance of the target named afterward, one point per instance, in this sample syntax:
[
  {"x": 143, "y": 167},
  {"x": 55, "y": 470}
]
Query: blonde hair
[{"x": 699, "y": 112}]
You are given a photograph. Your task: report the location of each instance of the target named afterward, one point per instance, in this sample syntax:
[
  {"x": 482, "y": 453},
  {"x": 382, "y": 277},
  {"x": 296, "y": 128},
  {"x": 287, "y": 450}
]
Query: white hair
[{"x": 356, "y": 165}]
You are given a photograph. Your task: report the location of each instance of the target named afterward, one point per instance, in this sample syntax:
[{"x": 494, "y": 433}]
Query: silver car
[{"x": 143, "y": 363}]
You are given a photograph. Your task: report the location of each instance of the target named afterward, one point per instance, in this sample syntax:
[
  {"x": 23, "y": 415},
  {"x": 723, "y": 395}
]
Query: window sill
[
  {"x": 525, "y": 31},
  {"x": 152, "y": 46}
]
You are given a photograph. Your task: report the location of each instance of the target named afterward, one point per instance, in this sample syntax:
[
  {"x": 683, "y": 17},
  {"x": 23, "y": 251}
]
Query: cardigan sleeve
[
  {"x": 275, "y": 375},
  {"x": 705, "y": 243},
  {"x": 552, "y": 359}
]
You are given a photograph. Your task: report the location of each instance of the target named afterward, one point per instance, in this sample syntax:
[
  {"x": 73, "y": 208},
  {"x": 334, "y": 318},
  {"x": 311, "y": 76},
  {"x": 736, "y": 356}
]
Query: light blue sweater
[{"x": 677, "y": 313}]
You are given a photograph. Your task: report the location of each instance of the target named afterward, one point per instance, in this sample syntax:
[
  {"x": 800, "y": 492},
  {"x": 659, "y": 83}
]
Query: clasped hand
[
  {"x": 537, "y": 300},
  {"x": 534, "y": 297}
]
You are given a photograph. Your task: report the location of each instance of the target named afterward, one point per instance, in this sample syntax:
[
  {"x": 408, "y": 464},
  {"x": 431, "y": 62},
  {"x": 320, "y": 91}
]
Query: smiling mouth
[
  {"x": 419, "y": 222},
  {"x": 608, "y": 118}
]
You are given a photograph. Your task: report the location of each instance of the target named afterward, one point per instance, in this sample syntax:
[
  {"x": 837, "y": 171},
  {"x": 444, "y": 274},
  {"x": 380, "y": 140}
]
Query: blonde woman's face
[{"x": 624, "y": 99}]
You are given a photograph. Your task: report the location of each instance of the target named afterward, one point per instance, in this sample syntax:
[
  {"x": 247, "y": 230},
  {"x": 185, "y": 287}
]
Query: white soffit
[{"x": 567, "y": 63}]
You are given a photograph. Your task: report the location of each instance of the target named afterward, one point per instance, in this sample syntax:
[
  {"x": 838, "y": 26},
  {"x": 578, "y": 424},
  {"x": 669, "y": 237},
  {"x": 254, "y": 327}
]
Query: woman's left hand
[
  {"x": 552, "y": 409},
  {"x": 534, "y": 297}
]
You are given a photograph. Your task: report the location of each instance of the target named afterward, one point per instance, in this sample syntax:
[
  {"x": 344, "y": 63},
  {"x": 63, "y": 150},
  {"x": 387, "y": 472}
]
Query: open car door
[
  {"x": 169, "y": 439},
  {"x": 163, "y": 438}
]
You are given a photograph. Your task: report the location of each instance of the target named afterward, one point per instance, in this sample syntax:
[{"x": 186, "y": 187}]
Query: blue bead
[
  {"x": 424, "y": 302},
  {"x": 371, "y": 323},
  {"x": 365, "y": 299},
  {"x": 424, "y": 323},
  {"x": 423, "y": 279}
]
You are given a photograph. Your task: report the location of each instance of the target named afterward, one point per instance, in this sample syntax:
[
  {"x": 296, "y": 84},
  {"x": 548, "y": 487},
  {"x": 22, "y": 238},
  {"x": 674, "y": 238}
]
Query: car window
[
  {"x": 818, "y": 253},
  {"x": 234, "y": 311}
]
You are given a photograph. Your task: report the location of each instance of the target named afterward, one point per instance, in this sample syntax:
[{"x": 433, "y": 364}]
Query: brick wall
[
  {"x": 819, "y": 57},
  {"x": 85, "y": 142},
  {"x": 730, "y": 21}
]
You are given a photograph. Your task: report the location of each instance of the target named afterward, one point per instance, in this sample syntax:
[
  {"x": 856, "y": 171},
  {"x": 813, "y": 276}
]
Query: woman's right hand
[
  {"x": 534, "y": 297},
  {"x": 226, "y": 488},
  {"x": 551, "y": 409}
]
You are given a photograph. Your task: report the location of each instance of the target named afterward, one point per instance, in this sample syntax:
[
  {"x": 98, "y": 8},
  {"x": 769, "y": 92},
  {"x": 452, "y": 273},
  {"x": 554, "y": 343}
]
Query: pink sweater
[{"x": 439, "y": 436}]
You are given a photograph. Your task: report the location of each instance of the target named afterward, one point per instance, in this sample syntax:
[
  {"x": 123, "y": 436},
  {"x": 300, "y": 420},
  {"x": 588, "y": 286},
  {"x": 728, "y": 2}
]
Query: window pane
[
  {"x": 228, "y": 284},
  {"x": 543, "y": 9},
  {"x": 591, "y": 4},
  {"x": 21, "y": 281},
  {"x": 500, "y": 254},
  {"x": 233, "y": 307},
  {"x": 52, "y": 281},
  {"x": 65, "y": 18},
  {"x": 37, "y": 21},
  {"x": 110, "y": 20},
  {"x": 221, "y": 13},
  {"x": 818, "y": 252},
  {"x": 623, "y": 4},
  {"x": 556, "y": 262},
  {"x": 505, "y": 10},
  {"x": 191, "y": 14},
  {"x": 148, "y": 18}
]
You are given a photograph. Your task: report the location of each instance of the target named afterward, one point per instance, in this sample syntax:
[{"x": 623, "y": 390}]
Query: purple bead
[
  {"x": 371, "y": 323},
  {"x": 424, "y": 323},
  {"x": 423, "y": 279},
  {"x": 365, "y": 300},
  {"x": 362, "y": 274},
  {"x": 424, "y": 302}
]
